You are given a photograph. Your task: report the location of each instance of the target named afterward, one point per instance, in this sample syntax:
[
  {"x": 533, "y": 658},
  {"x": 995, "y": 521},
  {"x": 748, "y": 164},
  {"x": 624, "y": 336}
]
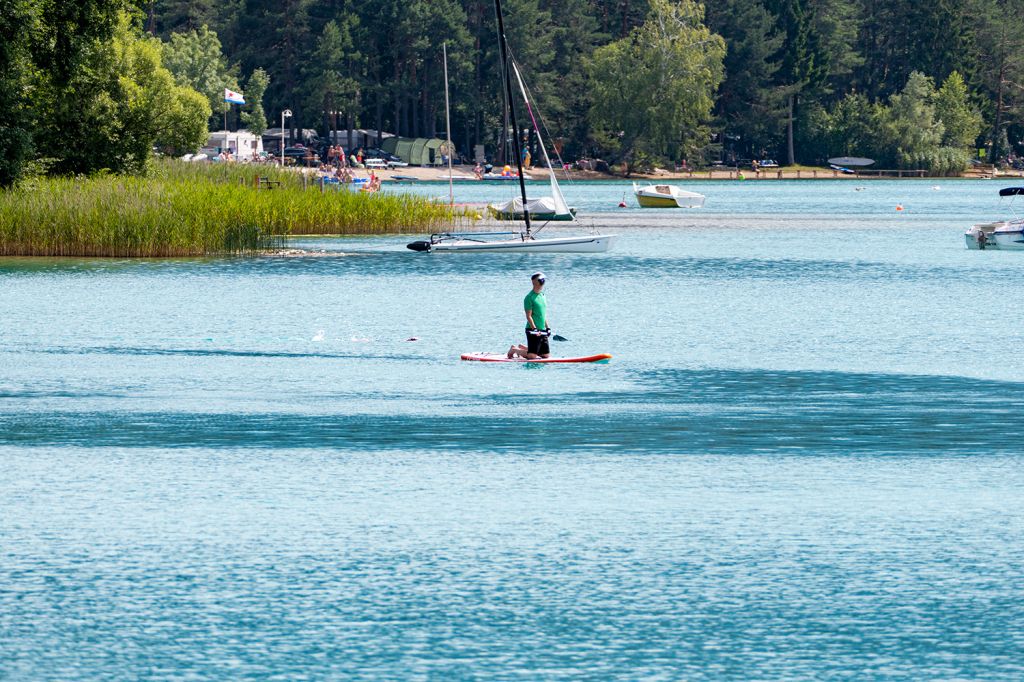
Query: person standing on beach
[{"x": 537, "y": 330}]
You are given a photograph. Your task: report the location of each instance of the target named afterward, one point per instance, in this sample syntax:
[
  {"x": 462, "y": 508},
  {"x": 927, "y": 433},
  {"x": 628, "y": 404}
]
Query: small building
[
  {"x": 361, "y": 137},
  {"x": 240, "y": 143},
  {"x": 272, "y": 138}
]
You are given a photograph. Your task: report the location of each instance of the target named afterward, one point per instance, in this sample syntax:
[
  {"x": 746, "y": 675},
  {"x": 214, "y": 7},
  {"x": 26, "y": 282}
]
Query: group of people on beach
[
  {"x": 343, "y": 175},
  {"x": 336, "y": 156}
]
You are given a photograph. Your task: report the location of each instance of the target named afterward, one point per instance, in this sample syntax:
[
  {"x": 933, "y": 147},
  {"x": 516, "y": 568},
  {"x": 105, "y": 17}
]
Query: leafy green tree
[
  {"x": 17, "y": 22},
  {"x": 126, "y": 103},
  {"x": 915, "y": 129},
  {"x": 851, "y": 128},
  {"x": 61, "y": 76},
  {"x": 654, "y": 90},
  {"x": 253, "y": 116},
  {"x": 195, "y": 59}
]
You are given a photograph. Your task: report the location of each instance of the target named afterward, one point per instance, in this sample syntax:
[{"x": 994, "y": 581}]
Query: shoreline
[{"x": 464, "y": 175}]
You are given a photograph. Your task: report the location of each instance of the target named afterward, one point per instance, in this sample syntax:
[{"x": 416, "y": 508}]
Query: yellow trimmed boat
[{"x": 666, "y": 196}]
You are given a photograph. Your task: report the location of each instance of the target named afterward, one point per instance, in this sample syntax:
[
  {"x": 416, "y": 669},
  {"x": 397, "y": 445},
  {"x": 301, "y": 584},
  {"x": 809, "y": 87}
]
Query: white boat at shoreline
[
  {"x": 1004, "y": 235},
  {"x": 666, "y": 196}
]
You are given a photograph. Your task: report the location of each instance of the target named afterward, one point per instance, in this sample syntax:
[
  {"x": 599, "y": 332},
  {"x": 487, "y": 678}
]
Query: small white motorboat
[
  {"x": 1004, "y": 235},
  {"x": 666, "y": 196}
]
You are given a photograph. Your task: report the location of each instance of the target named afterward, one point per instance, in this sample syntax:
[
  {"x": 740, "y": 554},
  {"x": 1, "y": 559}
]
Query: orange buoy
[{"x": 899, "y": 207}]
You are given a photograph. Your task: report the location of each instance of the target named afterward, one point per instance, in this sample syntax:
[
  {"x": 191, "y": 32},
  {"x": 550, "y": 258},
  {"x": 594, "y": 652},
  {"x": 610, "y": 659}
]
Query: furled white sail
[{"x": 561, "y": 207}]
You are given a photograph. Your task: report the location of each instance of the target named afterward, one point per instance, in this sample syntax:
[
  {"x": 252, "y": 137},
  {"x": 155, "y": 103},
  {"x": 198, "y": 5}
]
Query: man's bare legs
[{"x": 517, "y": 351}]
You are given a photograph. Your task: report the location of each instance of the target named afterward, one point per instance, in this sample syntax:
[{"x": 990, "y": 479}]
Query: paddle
[{"x": 554, "y": 337}]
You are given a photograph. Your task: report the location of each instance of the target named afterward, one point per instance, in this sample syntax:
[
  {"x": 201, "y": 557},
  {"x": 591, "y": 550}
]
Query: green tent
[
  {"x": 434, "y": 151},
  {"x": 389, "y": 145},
  {"x": 420, "y": 156},
  {"x": 403, "y": 149}
]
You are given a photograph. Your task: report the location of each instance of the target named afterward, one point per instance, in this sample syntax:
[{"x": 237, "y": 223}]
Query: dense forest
[{"x": 912, "y": 84}]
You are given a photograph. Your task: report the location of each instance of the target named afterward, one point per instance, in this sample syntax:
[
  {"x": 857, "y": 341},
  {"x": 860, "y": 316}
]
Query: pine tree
[
  {"x": 275, "y": 36},
  {"x": 173, "y": 16},
  {"x": 750, "y": 104},
  {"x": 1000, "y": 69},
  {"x": 803, "y": 65},
  {"x": 331, "y": 88},
  {"x": 576, "y": 33}
]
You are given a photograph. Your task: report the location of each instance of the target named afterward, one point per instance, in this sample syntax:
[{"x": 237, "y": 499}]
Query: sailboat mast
[
  {"x": 448, "y": 127},
  {"x": 507, "y": 77}
]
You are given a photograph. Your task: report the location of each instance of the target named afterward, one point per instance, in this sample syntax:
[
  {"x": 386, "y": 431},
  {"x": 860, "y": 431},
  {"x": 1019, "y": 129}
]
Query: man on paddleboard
[{"x": 537, "y": 330}]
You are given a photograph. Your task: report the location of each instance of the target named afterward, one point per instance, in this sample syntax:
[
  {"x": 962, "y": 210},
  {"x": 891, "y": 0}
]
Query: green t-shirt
[{"x": 538, "y": 305}]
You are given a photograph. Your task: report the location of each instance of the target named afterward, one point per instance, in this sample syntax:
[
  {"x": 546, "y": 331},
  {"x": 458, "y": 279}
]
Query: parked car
[
  {"x": 300, "y": 154},
  {"x": 392, "y": 160}
]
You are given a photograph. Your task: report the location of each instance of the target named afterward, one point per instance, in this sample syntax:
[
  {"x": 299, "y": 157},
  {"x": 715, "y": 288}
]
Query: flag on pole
[{"x": 233, "y": 97}]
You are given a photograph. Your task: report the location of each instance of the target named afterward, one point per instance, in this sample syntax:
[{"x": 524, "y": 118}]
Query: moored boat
[
  {"x": 666, "y": 196},
  {"x": 1005, "y": 235},
  {"x": 543, "y": 209}
]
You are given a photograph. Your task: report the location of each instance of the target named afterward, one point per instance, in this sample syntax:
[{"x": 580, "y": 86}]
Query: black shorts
[{"x": 537, "y": 344}]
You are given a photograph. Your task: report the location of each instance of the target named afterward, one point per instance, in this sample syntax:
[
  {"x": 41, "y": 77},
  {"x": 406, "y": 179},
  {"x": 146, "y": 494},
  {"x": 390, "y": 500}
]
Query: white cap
[{"x": 537, "y": 275}]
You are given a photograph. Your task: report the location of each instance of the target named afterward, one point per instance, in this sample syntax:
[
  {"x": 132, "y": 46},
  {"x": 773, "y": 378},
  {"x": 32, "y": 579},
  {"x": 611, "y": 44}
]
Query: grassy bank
[{"x": 193, "y": 209}]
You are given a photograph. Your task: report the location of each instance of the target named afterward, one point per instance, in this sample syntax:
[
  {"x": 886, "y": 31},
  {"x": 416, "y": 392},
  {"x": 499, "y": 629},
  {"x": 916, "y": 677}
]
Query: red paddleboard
[{"x": 501, "y": 357}]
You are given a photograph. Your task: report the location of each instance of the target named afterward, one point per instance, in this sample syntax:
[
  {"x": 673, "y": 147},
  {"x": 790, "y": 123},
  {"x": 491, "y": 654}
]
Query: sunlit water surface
[{"x": 804, "y": 461}]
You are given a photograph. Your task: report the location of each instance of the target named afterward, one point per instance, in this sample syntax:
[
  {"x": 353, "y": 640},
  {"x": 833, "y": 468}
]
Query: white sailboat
[
  {"x": 553, "y": 207},
  {"x": 520, "y": 208}
]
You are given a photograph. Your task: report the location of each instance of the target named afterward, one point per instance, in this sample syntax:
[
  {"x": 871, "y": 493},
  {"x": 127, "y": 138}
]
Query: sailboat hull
[
  {"x": 586, "y": 244},
  {"x": 547, "y": 216}
]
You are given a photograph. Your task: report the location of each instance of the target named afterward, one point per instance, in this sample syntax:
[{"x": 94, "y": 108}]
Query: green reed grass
[{"x": 195, "y": 209}]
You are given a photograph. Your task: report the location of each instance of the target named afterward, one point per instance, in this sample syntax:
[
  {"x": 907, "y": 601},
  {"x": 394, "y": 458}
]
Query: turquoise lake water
[{"x": 805, "y": 461}]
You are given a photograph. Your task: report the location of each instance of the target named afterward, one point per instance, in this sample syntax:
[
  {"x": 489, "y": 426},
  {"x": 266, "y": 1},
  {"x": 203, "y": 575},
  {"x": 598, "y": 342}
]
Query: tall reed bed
[{"x": 192, "y": 210}]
